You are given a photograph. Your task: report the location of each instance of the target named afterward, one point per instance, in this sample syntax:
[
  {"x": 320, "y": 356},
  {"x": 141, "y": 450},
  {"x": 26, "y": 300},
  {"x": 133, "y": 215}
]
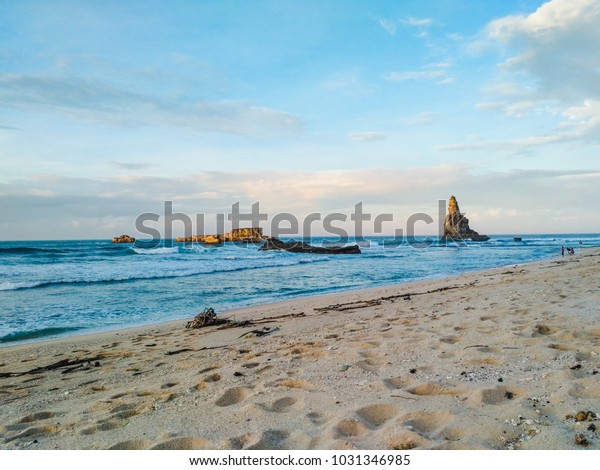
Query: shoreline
[
  {"x": 479, "y": 360},
  {"x": 240, "y": 309}
]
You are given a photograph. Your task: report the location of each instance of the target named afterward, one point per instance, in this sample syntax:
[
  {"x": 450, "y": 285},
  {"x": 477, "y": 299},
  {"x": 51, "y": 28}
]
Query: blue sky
[{"x": 107, "y": 109}]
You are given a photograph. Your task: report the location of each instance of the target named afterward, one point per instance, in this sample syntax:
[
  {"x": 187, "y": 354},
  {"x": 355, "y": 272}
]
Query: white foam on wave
[
  {"x": 155, "y": 251},
  {"x": 18, "y": 285}
]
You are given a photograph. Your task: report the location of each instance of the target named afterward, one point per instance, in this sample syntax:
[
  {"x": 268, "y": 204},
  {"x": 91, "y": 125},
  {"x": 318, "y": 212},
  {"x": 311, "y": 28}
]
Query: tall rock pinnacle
[{"x": 456, "y": 225}]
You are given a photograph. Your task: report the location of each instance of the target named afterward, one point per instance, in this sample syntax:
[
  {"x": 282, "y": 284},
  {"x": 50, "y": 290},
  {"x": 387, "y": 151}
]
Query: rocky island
[
  {"x": 246, "y": 235},
  {"x": 456, "y": 225},
  {"x": 123, "y": 239}
]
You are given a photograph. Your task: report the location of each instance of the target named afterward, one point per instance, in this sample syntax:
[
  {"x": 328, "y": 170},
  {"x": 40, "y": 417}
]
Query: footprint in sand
[
  {"x": 124, "y": 411},
  {"x": 212, "y": 378},
  {"x": 250, "y": 365},
  {"x": 35, "y": 431},
  {"x": 372, "y": 361},
  {"x": 452, "y": 434},
  {"x": 233, "y": 396},
  {"x": 395, "y": 383},
  {"x": 272, "y": 439},
  {"x": 283, "y": 404},
  {"x": 543, "y": 330},
  {"x": 295, "y": 383},
  {"x": 39, "y": 416},
  {"x": 489, "y": 318},
  {"x": 406, "y": 440},
  {"x": 377, "y": 414},
  {"x": 350, "y": 428},
  {"x": 184, "y": 443},
  {"x": 110, "y": 425},
  {"x": 450, "y": 339},
  {"x": 303, "y": 350},
  {"x": 169, "y": 385},
  {"x": 130, "y": 445},
  {"x": 238, "y": 442},
  {"x": 425, "y": 422},
  {"x": 317, "y": 418},
  {"x": 585, "y": 388}
]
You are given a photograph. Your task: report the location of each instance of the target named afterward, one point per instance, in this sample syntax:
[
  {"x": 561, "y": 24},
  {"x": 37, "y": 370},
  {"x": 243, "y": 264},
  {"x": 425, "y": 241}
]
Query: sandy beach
[{"x": 502, "y": 359}]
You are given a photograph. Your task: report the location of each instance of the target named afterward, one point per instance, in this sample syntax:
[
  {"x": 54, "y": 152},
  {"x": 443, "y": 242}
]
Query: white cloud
[
  {"x": 415, "y": 75},
  {"x": 131, "y": 166},
  {"x": 419, "y": 22},
  {"x": 585, "y": 118},
  {"x": 554, "y": 48},
  {"x": 366, "y": 136},
  {"x": 421, "y": 119},
  {"x": 114, "y": 105},
  {"x": 515, "y": 146},
  {"x": 438, "y": 72},
  {"x": 389, "y": 26},
  {"x": 551, "y": 67},
  {"x": 46, "y": 193},
  {"x": 349, "y": 82}
]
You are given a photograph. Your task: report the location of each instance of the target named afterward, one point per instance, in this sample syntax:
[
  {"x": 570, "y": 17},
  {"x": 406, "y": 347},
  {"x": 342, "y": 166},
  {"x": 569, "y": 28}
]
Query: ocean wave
[
  {"x": 19, "y": 285},
  {"x": 154, "y": 251},
  {"x": 36, "y": 334},
  {"x": 26, "y": 250},
  {"x": 282, "y": 262}
]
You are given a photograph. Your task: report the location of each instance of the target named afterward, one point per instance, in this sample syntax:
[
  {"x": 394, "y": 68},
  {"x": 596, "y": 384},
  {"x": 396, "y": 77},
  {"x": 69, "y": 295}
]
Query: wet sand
[{"x": 501, "y": 359}]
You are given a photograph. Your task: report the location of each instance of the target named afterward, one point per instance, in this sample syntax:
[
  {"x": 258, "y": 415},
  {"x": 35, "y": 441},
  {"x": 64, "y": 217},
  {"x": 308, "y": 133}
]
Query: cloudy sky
[{"x": 108, "y": 109}]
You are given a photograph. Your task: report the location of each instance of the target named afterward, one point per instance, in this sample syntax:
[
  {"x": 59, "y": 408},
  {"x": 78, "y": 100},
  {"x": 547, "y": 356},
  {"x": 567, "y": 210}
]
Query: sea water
[{"x": 60, "y": 288}]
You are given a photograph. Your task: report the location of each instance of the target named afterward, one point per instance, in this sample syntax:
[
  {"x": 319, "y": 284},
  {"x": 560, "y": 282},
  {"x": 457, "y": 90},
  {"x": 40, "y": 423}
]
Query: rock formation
[
  {"x": 456, "y": 225},
  {"x": 301, "y": 247},
  {"x": 123, "y": 239},
  {"x": 249, "y": 235}
]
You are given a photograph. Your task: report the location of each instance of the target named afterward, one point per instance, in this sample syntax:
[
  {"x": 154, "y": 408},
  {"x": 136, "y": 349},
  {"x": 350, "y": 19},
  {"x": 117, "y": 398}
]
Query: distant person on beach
[
  {"x": 562, "y": 251},
  {"x": 571, "y": 251}
]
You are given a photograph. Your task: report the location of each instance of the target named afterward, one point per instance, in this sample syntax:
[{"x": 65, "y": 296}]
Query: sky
[{"x": 108, "y": 109}]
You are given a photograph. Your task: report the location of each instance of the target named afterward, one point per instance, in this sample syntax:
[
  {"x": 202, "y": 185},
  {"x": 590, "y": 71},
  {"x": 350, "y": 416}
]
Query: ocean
[{"x": 54, "y": 289}]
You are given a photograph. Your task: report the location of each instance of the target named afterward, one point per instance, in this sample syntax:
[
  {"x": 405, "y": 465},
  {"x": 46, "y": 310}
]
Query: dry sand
[{"x": 500, "y": 359}]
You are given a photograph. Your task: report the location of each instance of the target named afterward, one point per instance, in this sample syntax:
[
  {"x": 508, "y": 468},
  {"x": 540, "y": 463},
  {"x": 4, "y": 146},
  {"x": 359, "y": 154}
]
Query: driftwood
[
  {"x": 245, "y": 323},
  {"x": 264, "y": 332},
  {"x": 207, "y": 318},
  {"x": 389, "y": 298},
  {"x": 179, "y": 351},
  {"x": 70, "y": 363}
]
